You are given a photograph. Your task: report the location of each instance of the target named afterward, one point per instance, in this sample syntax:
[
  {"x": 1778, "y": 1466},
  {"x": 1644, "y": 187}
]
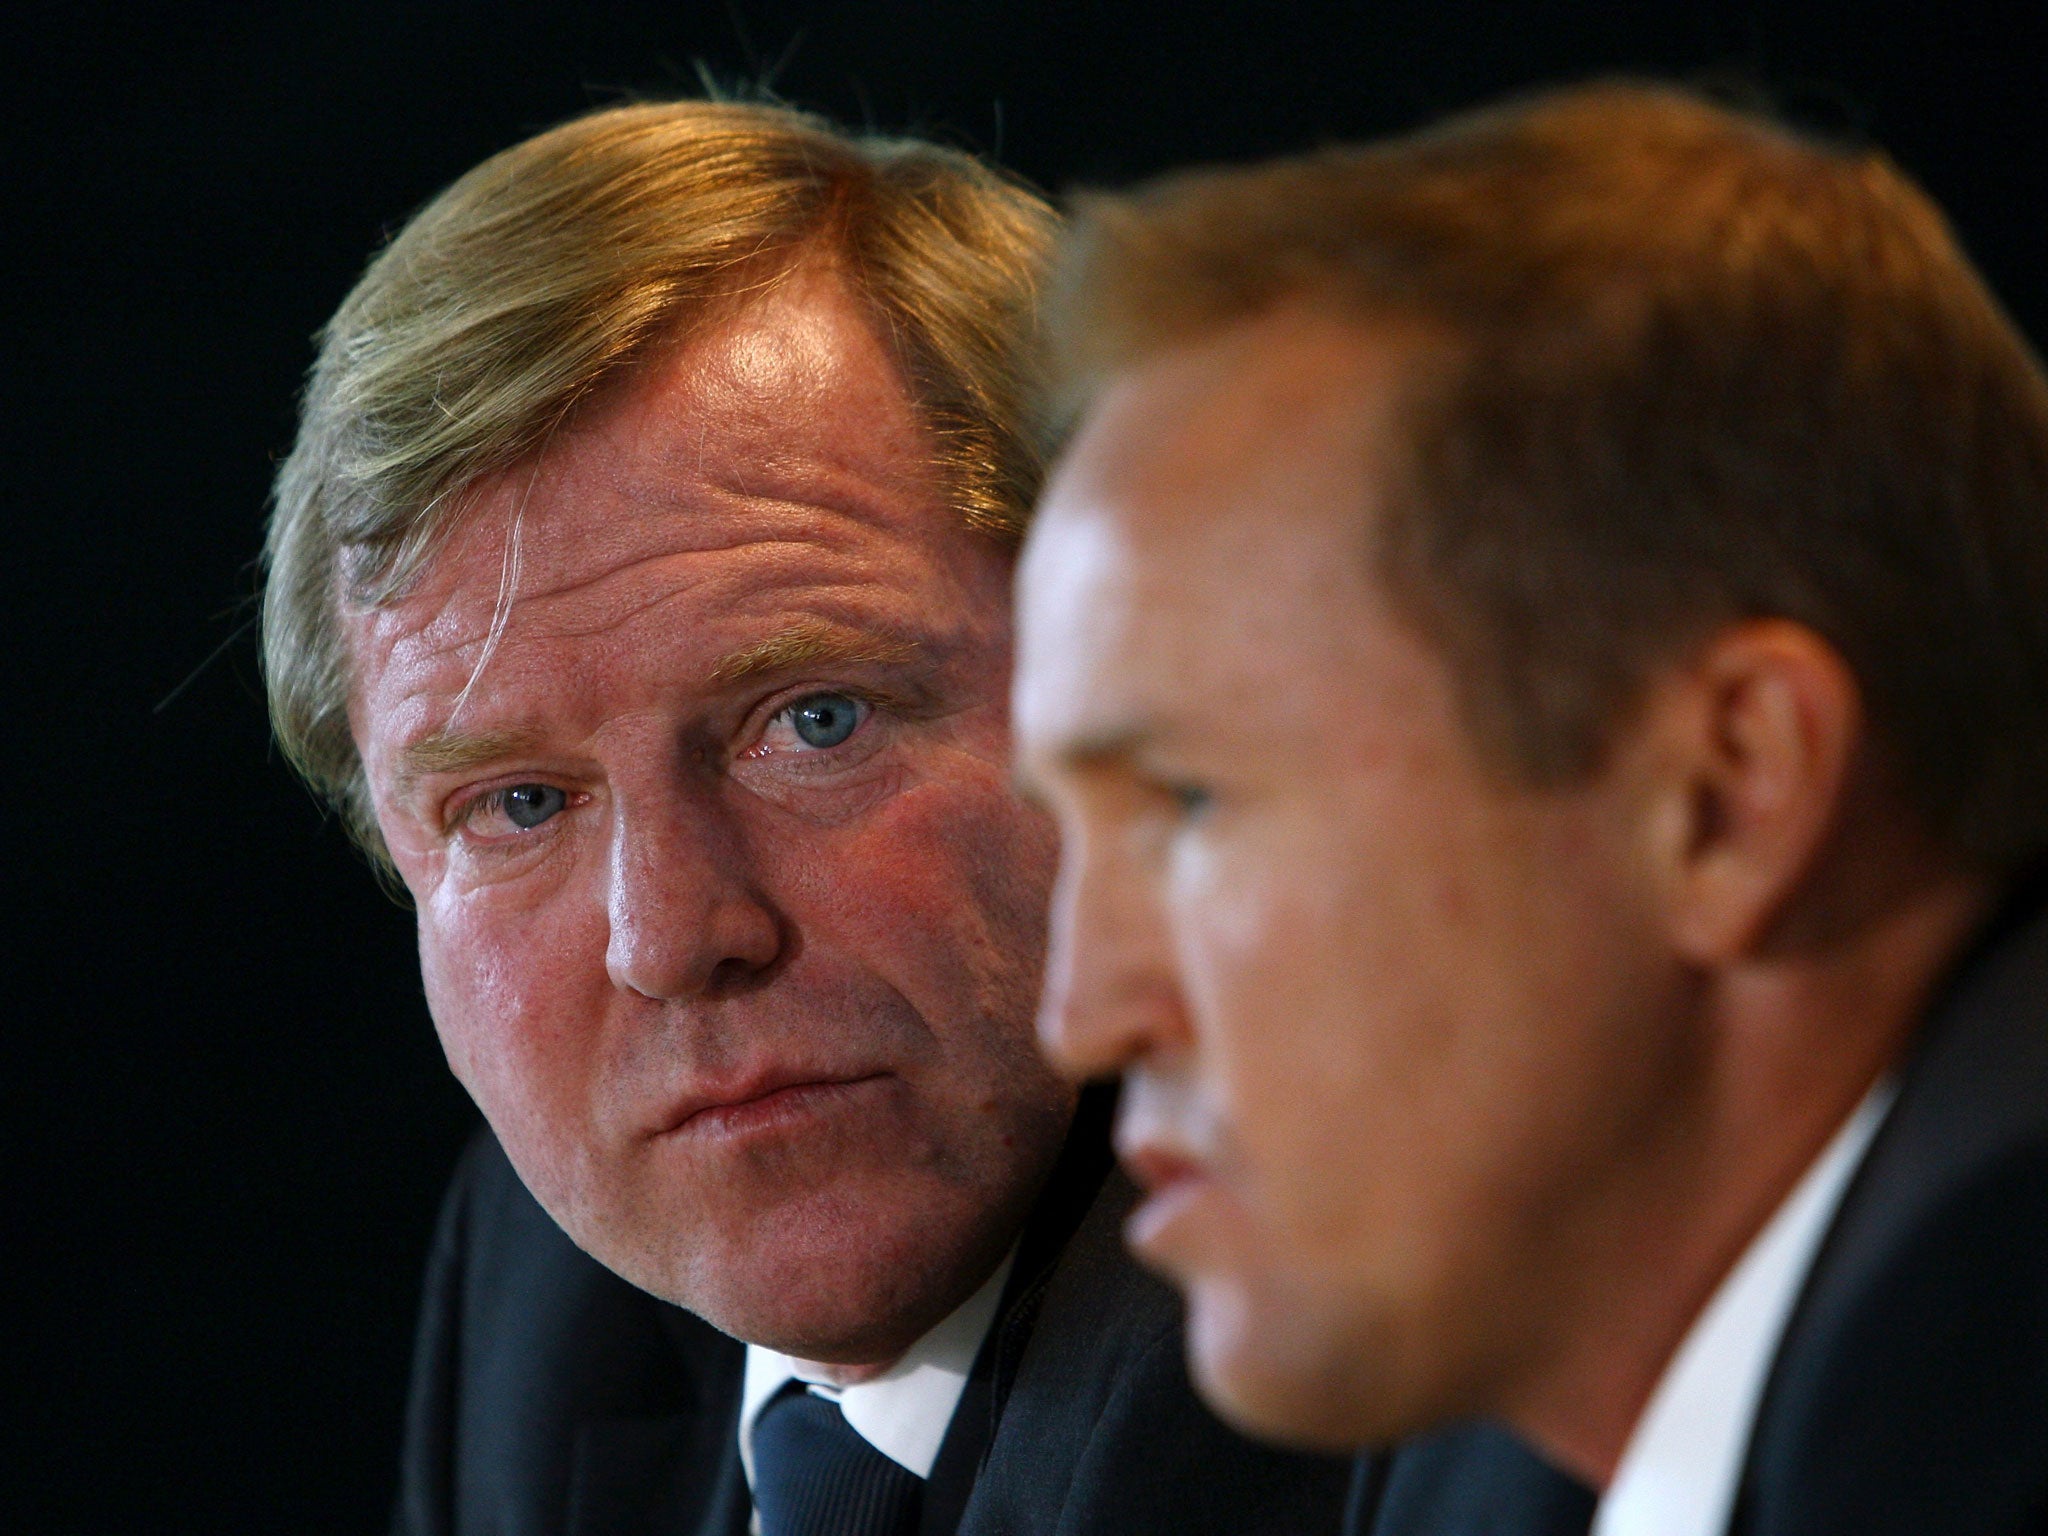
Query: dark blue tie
[{"x": 815, "y": 1476}]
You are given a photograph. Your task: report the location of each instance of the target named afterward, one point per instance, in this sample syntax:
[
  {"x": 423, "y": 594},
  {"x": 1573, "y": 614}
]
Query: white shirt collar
[
  {"x": 1678, "y": 1472},
  {"x": 904, "y": 1412}
]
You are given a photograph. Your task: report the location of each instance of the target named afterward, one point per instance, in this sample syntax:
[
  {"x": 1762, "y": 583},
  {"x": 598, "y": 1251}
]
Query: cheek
[
  {"x": 1312, "y": 967},
  {"x": 1273, "y": 939},
  {"x": 946, "y": 896},
  {"x": 511, "y": 992}
]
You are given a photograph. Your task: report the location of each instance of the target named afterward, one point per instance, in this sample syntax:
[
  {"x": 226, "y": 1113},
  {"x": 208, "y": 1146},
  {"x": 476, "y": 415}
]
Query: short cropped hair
[
  {"x": 1699, "y": 368},
  {"x": 563, "y": 261}
]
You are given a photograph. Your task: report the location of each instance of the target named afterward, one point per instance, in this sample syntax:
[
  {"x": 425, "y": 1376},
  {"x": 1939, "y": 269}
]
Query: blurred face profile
[
  {"x": 692, "y": 749},
  {"x": 1385, "y": 1019}
]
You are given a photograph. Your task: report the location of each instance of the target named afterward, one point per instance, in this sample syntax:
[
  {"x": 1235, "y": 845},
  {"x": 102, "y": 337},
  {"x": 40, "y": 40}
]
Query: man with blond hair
[
  {"x": 637, "y": 592},
  {"x": 1539, "y": 654}
]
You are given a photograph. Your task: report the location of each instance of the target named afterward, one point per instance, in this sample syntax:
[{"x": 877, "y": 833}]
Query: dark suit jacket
[
  {"x": 1909, "y": 1395},
  {"x": 549, "y": 1396}
]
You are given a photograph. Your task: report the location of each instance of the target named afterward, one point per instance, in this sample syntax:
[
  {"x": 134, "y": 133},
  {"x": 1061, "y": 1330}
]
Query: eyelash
[
  {"x": 469, "y": 811},
  {"x": 870, "y": 700}
]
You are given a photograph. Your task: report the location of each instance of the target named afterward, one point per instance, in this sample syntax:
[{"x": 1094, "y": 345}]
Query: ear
[{"x": 1750, "y": 746}]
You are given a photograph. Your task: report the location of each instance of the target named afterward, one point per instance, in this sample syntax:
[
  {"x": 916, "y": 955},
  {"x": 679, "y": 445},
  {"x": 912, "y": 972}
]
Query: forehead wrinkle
[
  {"x": 681, "y": 587},
  {"x": 753, "y": 459},
  {"x": 750, "y": 450},
  {"x": 831, "y": 492},
  {"x": 531, "y": 604}
]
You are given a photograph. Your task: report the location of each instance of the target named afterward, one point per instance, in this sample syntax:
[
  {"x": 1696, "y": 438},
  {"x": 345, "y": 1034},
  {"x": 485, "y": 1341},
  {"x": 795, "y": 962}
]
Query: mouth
[
  {"x": 1173, "y": 1183},
  {"x": 775, "y": 1103}
]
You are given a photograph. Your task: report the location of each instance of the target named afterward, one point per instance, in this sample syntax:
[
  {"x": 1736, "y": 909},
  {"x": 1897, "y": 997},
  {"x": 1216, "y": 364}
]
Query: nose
[
  {"x": 1111, "y": 997},
  {"x": 686, "y": 918}
]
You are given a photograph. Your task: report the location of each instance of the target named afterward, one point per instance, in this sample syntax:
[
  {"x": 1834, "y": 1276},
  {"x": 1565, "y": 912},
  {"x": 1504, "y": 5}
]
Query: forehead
[
  {"x": 770, "y": 460},
  {"x": 1291, "y": 396},
  {"x": 789, "y": 402},
  {"x": 1213, "y": 520}
]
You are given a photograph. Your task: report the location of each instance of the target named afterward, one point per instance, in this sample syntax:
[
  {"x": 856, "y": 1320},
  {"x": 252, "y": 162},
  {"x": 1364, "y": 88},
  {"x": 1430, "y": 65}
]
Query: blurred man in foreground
[
  {"x": 1539, "y": 654},
  {"x": 638, "y": 591}
]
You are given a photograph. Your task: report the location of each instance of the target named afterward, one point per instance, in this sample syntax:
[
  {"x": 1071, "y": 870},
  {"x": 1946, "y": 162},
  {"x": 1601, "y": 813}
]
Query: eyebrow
[
  {"x": 811, "y": 642},
  {"x": 1091, "y": 750},
  {"x": 454, "y": 751},
  {"x": 807, "y": 642},
  {"x": 1097, "y": 748}
]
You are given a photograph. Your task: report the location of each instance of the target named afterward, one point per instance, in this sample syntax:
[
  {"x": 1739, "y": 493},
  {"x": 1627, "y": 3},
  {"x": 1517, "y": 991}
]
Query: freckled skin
[{"x": 718, "y": 903}]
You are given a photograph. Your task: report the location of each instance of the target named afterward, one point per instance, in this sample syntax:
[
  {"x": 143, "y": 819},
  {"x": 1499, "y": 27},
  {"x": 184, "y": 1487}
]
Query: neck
[
  {"x": 841, "y": 1375},
  {"x": 1798, "y": 1041}
]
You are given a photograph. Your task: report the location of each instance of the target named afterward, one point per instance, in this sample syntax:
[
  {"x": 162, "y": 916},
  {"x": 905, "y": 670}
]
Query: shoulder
[
  {"x": 1910, "y": 1393},
  {"x": 537, "y": 1313},
  {"x": 528, "y": 1348}
]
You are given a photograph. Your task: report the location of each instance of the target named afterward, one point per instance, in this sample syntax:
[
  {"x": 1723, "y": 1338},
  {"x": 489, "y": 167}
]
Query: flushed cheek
[
  {"x": 951, "y": 920},
  {"x": 949, "y": 903}
]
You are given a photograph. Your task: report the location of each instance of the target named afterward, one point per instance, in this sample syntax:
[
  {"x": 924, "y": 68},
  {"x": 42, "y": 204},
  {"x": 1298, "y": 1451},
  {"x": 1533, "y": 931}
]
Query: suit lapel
[
  {"x": 1070, "y": 1193},
  {"x": 647, "y": 1477},
  {"x": 668, "y": 1474},
  {"x": 1075, "y": 1330},
  {"x": 1910, "y": 1393},
  {"x": 1097, "y": 1430}
]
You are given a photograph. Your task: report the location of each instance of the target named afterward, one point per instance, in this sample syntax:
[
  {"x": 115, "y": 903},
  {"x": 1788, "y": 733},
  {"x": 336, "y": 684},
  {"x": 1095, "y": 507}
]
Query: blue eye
[
  {"x": 528, "y": 805},
  {"x": 825, "y": 719}
]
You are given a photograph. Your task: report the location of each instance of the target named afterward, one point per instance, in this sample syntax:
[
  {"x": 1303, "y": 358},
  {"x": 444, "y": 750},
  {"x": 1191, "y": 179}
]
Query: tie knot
[{"x": 815, "y": 1476}]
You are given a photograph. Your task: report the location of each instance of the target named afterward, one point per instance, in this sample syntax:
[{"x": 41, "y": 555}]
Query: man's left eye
[
  {"x": 824, "y": 719},
  {"x": 526, "y": 806}
]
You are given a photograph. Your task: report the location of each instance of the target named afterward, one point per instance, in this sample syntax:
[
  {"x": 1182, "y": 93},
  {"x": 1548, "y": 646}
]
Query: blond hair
[
  {"x": 1699, "y": 368},
  {"x": 558, "y": 263}
]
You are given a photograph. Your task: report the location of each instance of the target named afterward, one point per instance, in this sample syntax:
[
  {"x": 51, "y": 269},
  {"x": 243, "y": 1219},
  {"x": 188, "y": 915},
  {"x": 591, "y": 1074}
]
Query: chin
[
  {"x": 852, "y": 1272},
  {"x": 1280, "y": 1370},
  {"x": 864, "y": 1321},
  {"x": 843, "y": 1246}
]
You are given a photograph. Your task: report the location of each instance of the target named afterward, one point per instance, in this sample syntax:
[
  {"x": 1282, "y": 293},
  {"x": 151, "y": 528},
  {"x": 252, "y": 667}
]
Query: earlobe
[{"x": 1759, "y": 732}]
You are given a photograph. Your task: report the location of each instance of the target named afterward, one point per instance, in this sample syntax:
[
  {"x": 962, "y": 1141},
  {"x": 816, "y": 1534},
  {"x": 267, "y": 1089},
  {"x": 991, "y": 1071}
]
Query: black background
[{"x": 228, "y": 1120}]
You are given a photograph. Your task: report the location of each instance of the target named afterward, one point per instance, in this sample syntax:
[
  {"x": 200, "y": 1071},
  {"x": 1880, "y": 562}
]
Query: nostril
[
  {"x": 735, "y": 975},
  {"x": 754, "y": 964}
]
